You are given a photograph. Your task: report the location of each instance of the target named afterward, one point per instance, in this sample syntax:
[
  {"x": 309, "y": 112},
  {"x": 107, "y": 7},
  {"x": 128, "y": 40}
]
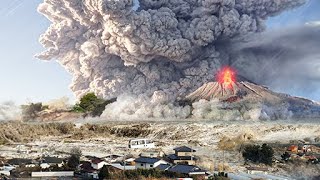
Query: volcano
[{"x": 234, "y": 94}]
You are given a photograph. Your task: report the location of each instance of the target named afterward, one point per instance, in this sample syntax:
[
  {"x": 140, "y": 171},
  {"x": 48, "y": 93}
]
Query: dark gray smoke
[
  {"x": 286, "y": 59},
  {"x": 151, "y": 50}
]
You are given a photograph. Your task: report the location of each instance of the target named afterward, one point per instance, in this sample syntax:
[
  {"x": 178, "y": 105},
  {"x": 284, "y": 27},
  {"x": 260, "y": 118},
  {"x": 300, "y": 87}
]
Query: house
[
  {"x": 16, "y": 162},
  {"x": 98, "y": 163},
  {"x": 148, "y": 163},
  {"x": 46, "y": 162},
  {"x": 293, "y": 148},
  {"x": 255, "y": 170},
  {"x": 183, "y": 155},
  {"x": 88, "y": 171},
  {"x": 189, "y": 170}
]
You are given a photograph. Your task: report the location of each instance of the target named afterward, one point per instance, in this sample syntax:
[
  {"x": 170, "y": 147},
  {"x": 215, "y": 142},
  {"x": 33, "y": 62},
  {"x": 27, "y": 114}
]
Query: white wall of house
[
  {"x": 53, "y": 174},
  {"x": 149, "y": 166}
]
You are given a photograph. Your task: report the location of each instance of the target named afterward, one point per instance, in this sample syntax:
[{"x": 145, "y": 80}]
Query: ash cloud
[
  {"x": 153, "y": 50},
  {"x": 9, "y": 111},
  {"x": 286, "y": 60}
]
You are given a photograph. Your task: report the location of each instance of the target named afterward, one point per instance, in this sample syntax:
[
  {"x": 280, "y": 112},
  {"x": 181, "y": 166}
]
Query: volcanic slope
[{"x": 246, "y": 93}]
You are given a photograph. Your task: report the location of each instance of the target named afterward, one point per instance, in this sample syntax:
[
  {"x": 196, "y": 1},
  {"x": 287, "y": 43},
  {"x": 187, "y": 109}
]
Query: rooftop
[
  {"x": 147, "y": 160},
  {"x": 96, "y": 160},
  {"x": 52, "y": 160},
  {"x": 186, "y": 158},
  {"x": 163, "y": 167},
  {"x": 184, "y": 149},
  {"x": 186, "y": 169}
]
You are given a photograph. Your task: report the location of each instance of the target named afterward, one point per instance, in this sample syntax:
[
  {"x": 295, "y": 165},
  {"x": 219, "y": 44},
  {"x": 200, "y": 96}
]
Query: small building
[
  {"x": 148, "y": 163},
  {"x": 293, "y": 148},
  {"x": 256, "y": 170},
  {"x": 46, "y": 162},
  {"x": 16, "y": 162},
  {"x": 88, "y": 171},
  {"x": 189, "y": 170},
  {"x": 98, "y": 163},
  {"x": 183, "y": 155}
]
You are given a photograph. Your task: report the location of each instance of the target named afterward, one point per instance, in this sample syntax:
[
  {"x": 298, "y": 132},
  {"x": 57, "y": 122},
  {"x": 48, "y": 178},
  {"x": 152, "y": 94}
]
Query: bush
[
  {"x": 104, "y": 173},
  {"x": 73, "y": 162},
  {"x": 92, "y": 105},
  {"x": 258, "y": 154}
]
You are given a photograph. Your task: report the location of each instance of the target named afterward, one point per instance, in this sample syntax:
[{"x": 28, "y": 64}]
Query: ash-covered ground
[{"x": 209, "y": 138}]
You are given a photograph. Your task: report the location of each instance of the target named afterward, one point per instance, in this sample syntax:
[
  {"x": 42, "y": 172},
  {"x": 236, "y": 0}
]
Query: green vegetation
[
  {"x": 91, "y": 105},
  {"x": 258, "y": 154}
]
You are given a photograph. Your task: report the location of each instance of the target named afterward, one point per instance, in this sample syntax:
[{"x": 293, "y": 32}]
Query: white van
[{"x": 141, "y": 143}]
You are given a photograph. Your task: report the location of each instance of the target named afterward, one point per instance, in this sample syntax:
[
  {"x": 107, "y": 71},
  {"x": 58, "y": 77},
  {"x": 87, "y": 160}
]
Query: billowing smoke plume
[
  {"x": 154, "y": 49},
  {"x": 289, "y": 57},
  {"x": 9, "y": 111}
]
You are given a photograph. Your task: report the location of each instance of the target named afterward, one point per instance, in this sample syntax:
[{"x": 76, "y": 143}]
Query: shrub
[
  {"x": 92, "y": 105},
  {"x": 258, "y": 154}
]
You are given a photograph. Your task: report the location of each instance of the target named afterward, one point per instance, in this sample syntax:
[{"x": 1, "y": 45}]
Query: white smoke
[
  {"x": 9, "y": 111},
  {"x": 128, "y": 108},
  {"x": 153, "y": 50}
]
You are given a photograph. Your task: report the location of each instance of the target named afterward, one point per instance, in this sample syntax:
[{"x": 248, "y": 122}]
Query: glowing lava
[{"x": 226, "y": 76}]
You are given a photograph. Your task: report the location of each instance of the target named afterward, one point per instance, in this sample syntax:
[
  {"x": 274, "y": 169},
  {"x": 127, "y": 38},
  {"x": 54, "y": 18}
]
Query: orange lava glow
[{"x": 226, "y": 76}]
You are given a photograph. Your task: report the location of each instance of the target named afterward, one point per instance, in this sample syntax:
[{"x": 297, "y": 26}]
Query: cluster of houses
[
  {"x": 309, "y": 153},
  {"x": 182, "y": 161}
]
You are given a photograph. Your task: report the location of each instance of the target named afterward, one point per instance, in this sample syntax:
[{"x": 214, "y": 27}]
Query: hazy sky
[{"x": 24, "y": 78}]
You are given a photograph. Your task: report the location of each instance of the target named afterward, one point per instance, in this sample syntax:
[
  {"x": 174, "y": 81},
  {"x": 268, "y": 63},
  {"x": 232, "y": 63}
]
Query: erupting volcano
[{"x": 227, "y": 77}]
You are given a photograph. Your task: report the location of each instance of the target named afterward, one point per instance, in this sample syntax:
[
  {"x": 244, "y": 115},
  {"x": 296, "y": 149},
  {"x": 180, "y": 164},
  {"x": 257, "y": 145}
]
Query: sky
[{"x": 24, "y": 78}]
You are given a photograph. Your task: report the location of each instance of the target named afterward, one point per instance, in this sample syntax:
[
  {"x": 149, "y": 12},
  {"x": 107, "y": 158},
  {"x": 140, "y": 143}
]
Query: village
[{"x": 148, "y": 161}]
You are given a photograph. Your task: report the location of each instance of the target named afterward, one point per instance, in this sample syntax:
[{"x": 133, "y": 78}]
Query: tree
[
  {"x": 104, "y": 173},
  {"x": 258, "y": 154},
  {"x": 76, "y": 151},
  {"x": 74, "y": 159},
  {"x": 73, "y": 162},
  {"x": 92, "y": 105}
]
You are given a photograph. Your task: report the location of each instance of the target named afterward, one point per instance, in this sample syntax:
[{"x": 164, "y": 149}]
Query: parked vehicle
[{"x": 141, "y": 143}]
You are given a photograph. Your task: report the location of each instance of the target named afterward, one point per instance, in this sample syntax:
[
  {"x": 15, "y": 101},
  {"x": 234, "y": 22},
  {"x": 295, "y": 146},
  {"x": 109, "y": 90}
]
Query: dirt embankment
[{"x": 12, "y": 132}]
